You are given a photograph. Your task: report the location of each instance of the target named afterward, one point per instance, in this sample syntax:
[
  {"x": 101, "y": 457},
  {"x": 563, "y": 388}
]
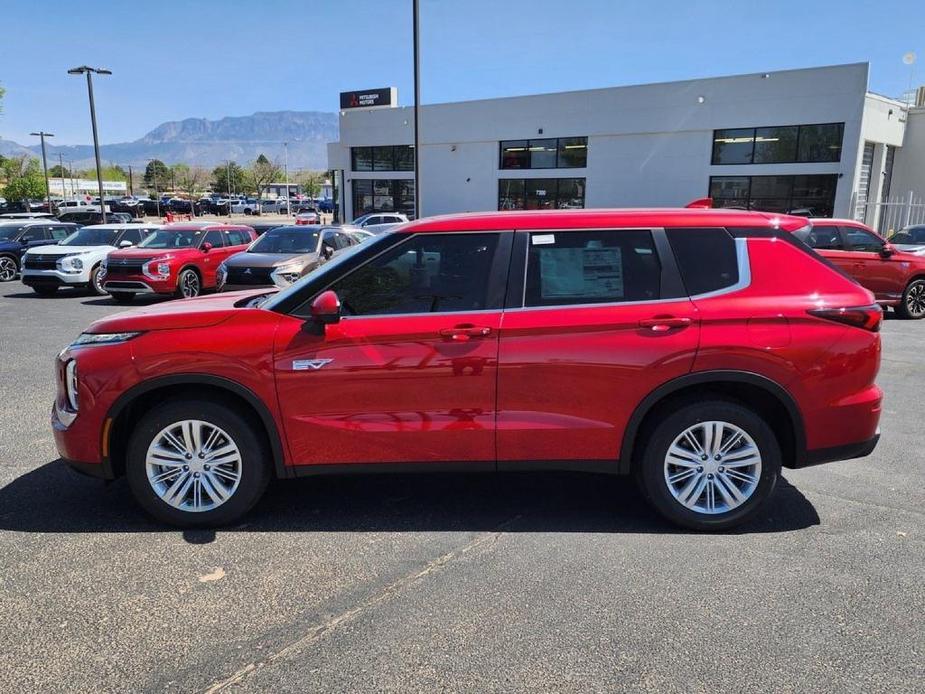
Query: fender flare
[
  {"x": 246, "y": 394},
  {"x": 704, "y": 378}
]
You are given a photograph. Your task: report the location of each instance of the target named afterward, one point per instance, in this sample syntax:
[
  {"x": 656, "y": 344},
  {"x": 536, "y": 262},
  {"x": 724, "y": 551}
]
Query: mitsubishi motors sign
[{"x": 385, "y": 97}]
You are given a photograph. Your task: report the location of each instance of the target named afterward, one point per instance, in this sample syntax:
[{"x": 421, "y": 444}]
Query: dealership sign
[{"x": 385, "y": 97}]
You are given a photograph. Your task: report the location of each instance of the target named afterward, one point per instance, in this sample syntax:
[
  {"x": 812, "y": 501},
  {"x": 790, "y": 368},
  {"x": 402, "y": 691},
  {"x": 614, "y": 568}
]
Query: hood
[
  {"x": 913, "y": 248},
  {"x": 69, "y": 250},
  {"x": 135, "y": 252},
  {"x": 268, "y": 259},
  {"x": 201, "y": 312}
]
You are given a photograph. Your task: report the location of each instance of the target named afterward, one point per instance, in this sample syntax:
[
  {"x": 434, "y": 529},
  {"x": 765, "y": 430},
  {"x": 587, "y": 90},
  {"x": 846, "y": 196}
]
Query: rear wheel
[
  {"x": 195, "y": 463},
  {"x": 8, "y": 268},
  {"x": 188, "y": 284},
  {"x": 913, "y": 304},
  {"x": 96, "y": 281},
  {"x": 710, "y": 465},
  {"x": 122, "y": 297}
]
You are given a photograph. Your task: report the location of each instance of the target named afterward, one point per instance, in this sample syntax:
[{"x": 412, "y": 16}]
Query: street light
[
  {"x": 42, "y": 134},
  {"x": 88, "y": 71}
]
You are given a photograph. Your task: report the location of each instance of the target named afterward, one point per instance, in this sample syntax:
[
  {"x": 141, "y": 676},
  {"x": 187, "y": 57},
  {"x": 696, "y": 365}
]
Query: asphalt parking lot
[{"x": 455, "y": 582}]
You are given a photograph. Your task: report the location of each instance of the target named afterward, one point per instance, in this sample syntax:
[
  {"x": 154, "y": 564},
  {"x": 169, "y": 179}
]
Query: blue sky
[{"x": 207, "y": 58}]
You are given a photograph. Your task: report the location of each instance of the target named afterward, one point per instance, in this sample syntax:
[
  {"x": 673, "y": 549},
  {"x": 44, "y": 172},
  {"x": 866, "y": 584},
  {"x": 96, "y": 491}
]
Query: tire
[
  {"x": 122, "y": 297},
  {"x": 9, "y": 268},
  {"x": 45, "y": 290},
  {"x": 189, "y": 284},
  {"x": 664, "y": 479},
  {"x": 912, "y": 306},
  {"x": 247, "y": 212},
  {"x": 95, "y": 285},
  {"x": 227, "y": 489}
]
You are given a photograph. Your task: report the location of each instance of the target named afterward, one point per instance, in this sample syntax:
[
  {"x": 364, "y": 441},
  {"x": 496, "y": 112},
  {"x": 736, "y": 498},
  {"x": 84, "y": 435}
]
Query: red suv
[
  {"x": 177, "y": 259},
  {"x": 699, "y": 350},
  {"x": 895, "y": 277}
]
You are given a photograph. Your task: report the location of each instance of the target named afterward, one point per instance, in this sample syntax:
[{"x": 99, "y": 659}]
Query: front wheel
[
  {"x": 710, "y": 465},
  {"x": 188, "y": 284},
  {"x": 913, "y": 304},
  {"x": 96, "y": 281},
  {"x": 8, "y": 268},
  {"x": 195, "y": 463}
]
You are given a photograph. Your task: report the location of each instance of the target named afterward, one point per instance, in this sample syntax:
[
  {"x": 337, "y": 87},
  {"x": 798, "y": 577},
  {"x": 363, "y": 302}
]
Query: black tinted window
[
  {"x": 823, "y": 237},
  {"x": 133, "y": 236},
  {"x": 706, "y": 259},
  {"x": 591, "y": 267},
  {"x": 861, "y": 240},
  {"x": 428, "y": 273},
  {"x": 215, "y": 238}
]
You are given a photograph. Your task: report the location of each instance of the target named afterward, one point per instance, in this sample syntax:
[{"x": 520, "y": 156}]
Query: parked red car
[
  {"x": 177, "y": 259},
  {"x": 699, "y": 350},
  {"x": 896, "y": 278}
]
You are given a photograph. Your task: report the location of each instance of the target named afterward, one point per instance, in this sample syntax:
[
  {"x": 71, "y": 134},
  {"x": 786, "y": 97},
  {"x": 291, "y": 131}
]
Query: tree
[
  {"x": 190, "y": 180},
  {"x": 58, "y": 171},
  {"x": 163, "y": 174},
  {"x": 222, "y": 174},
  {"x": 263, "y": 172},
  {"x": 113, "y": 172},
  {"x": 311, "y": 182},
  {"x": 24, "y": 179}
]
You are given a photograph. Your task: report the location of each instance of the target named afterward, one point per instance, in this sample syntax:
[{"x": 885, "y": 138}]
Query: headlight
[
  {"x": 157, "y": 269},
  {"x": 285, "y": 275},
  {"x": 70, "y": 384},
  {"x": 103, "y": 338},
  {"x": 70, "y": 263}
]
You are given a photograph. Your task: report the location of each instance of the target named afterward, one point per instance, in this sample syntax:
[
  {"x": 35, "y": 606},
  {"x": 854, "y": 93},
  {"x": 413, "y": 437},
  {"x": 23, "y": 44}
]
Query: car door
[
  {"x": 60, "y": 232},
  {"x": 885, "y": 276},
  {"x": 209, "y": 261},
  {"x": 35, "y": 235},
  {"x": 409, "y": 372},
  {"x": 827, "y": 241},
  {"x": 597, "y": 321}
]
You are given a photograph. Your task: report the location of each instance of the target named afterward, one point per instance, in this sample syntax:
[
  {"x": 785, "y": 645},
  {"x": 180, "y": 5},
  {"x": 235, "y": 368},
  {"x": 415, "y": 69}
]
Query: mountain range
[{"x": 208, "y": 143}]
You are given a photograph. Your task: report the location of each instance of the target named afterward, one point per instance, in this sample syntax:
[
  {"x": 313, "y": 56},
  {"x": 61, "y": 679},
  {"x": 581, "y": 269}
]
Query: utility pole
[
  {"x": 417, "y": 104},
  {"x": 131, "y": 188},
  {"x": 157, "y": 195},
  {"x": 288, "y": 207},
  {"x": 42, "y": 134},
  {"x": 61, "y": 166},
  {"x": 88, "y": 71}
]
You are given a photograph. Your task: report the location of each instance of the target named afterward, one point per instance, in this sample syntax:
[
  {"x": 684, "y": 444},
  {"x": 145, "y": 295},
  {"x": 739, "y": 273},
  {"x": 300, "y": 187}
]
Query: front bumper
[
  {"x": 129, "y": 287},
  {"x": 244, "y": 287},
  {"x": 57, "y": 278}
]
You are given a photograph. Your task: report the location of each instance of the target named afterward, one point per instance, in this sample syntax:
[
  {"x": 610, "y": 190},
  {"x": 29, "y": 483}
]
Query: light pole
[
  {"x": 61, "y": 167},
  {"x": 42, "y": 134},
  {"x": 417, "y": 103},
  {"x": 157, "y": 196},
  {"x": 288, "y": 205},
  {"x": 88, "y": 71}
]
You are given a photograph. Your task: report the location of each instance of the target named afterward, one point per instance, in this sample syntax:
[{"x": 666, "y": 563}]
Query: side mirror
[
  {"x": 326, "y": 308},
  {"x": 887, "y": 250},
  {"x": 206, "y": 247},
  {"x": 125, "y": 243}
]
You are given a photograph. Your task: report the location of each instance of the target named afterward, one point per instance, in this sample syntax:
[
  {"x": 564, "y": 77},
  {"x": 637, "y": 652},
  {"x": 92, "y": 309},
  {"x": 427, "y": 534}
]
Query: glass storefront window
[
  {"x": 383, "y": 195},
  {"x": 821, "y": 142},
  {"x": 362, "y": 158},
  {"x": 541, "y": 193},
  {"x": 548, "y": 153},
  {"x": 775, "y": 144},
  {"x": 382, "y": 158},
  {"x": 733, "y": 146},
  {"x": 810, "y": 196},
  {"x": 787, "y": 144},
  {"x": 404, "y": 158}
]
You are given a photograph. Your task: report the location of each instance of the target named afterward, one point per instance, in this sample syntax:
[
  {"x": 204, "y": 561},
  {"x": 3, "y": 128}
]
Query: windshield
[
  {"x": 330, "y": 266},
  {"x": 286, "y": 240},
  {"x": 9, "y": 232},
  {"x": 164, "y": 238},
  {"x": 91, "y": 237}
]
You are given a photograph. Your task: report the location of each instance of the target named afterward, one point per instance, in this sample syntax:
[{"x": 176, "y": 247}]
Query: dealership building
[{"x": 814, "y": 141}]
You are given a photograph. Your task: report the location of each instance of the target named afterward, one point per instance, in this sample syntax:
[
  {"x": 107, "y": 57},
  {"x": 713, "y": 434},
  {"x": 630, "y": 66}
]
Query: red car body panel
[
  {"x": 886, "y": 277},
  {"x": 205, "y": 262},
  {"x": 522, "y": 384}
]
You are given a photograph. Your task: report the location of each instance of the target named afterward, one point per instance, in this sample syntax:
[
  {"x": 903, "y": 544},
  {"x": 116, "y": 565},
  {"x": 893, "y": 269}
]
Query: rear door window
[
  {"x": 821, "y": 237},
  {"x": 215, "y": 238},
  {"x": 236, "y": 237},
  {"x": 61, "y": 233},
  {"x": 707, "y": 259},
  {"x": 591, "y": 267}
]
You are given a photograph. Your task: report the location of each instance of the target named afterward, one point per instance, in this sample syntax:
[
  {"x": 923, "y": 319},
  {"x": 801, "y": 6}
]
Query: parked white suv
[
  {"x": 76, "y": 261},
  {"x": 378, "y": 222}
]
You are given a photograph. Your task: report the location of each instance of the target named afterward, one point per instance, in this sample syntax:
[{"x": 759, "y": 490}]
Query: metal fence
[{"x": 892, "y": 214}]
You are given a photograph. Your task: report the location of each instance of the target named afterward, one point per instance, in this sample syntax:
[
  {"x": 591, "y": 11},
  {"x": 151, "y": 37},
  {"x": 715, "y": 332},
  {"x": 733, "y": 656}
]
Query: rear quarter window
[{"x": 706, "y": 258}]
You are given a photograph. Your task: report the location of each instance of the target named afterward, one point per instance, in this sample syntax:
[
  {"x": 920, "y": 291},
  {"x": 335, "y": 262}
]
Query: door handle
[
  {"x": 464, "y": 333},
  {"x": 662, "y": 325}
]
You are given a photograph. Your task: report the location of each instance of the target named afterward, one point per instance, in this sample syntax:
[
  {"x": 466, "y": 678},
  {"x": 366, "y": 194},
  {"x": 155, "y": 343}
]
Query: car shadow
[
  {"x": 141, "y": 300},
  {"x": 55, "y": 499}
]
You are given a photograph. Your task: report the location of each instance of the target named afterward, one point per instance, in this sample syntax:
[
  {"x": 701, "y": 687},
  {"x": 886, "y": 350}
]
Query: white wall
[
  {"x": 909, "y": 164},
  {"x": 649, "y": 145}
]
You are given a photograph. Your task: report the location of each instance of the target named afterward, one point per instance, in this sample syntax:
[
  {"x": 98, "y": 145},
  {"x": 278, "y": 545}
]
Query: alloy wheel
[
  {"x": 712, "y": 467},
  {"x": 7, "y": 269},
  {"x": 915, "y": 300},
  {"x": 193, "y": 465},
  {"x": 189, "y": 284}
]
